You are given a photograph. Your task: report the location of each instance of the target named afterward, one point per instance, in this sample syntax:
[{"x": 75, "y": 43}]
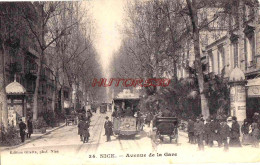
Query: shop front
[{"x": 253, "y": 97}]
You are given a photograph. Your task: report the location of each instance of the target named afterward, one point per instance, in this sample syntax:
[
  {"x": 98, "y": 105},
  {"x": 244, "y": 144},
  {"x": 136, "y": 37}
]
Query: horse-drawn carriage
[
  {"x": 71, "y": 119},
  {"x": 166, "y": 126}
]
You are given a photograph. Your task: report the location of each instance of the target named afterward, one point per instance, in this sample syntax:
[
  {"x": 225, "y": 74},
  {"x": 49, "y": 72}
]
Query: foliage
[
  {"x": 217, "y": 91},
  {"x": 10, "y": 136},
  {"x": 39, "y": 123},
  {"x": 49, "y": 118}
]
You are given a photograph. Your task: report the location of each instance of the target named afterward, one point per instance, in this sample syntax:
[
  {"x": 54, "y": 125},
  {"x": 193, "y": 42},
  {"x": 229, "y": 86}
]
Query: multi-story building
[
  {"x": 242, "y": 51},
  {"x": 22, "y": 62}
]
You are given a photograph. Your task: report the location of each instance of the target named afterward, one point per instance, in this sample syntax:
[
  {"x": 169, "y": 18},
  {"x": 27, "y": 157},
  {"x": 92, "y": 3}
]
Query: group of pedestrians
[
  {"x": 219, "y": 130},
  {"x": 83, "y": 125},
  {"x": 25, "y": 130}
]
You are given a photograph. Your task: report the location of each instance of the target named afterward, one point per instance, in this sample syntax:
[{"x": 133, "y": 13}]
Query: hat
[{"x": 107, "y": 117}]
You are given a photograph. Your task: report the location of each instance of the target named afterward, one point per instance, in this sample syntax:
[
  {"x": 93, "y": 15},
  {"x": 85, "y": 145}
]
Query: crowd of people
[{"x": 224, "y": 133}]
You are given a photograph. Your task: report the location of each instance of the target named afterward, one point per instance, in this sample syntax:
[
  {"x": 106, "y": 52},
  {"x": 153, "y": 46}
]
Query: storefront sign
[{"x": 11, "y": 116}]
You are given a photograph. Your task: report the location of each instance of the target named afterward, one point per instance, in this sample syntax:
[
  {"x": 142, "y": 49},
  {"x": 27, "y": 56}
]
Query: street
[{"x": 63, "y": 145}]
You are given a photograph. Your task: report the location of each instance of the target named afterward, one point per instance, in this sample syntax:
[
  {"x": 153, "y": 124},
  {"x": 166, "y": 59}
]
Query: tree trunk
[
  {"x": 54, "y": 94},
  {"x": 35, "y": 96},
  {"x": 196, "y": 39},
  {"x": 3, "y": 99},
  {"x": 175, "y": 77},
  {"x": 62, "y": 97}
]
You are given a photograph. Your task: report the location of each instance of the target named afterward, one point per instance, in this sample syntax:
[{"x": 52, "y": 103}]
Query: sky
[{"x": 108, "y": 17}]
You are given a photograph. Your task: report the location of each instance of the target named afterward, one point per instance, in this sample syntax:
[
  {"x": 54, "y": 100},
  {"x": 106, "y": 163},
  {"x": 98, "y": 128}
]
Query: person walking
[
  {"x": 191, "y": 131},
  {"x": 149, "y": 118},
  {"x": 235, "y": 133},
  {"x": 29, "y": 127},
  {"x": 22, "y": 127},
  {"x": 214, "y": 127},
  {"x": 108, "y": 128},
  {"x": 85, "y": 131},
  {"x": 224, "y": 134},
  {"x": 245, "y": 133},
  {"x": 207, "y": 134},
  {"x": 255, "y": 134},
  {"x": 80, "y": 128},
  {"x": 199, "y": 131}
]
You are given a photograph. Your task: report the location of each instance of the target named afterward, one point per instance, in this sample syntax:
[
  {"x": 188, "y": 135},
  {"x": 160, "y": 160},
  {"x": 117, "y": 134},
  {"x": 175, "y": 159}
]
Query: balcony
[{"x": 253, "y": 67}]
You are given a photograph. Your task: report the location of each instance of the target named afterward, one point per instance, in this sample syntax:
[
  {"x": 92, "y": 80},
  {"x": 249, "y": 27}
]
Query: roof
[
  {"x": 15, "y": 88},
  {"x": 237, "y": 75},
  {"x": 253, "y": 82}
]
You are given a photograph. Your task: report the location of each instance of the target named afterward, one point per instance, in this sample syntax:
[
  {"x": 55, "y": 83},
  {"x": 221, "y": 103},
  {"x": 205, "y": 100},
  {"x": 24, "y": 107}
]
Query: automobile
[{"x": 166, "y": 126}]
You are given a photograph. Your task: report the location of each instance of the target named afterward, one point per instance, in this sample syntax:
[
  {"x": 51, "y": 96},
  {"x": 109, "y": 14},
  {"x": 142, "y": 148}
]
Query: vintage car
[{"x": 166, "y": 126}]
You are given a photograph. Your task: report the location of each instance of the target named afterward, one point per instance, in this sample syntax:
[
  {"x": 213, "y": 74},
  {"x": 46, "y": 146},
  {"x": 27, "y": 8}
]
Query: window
[
  {"x": 221, "y": 59},
  {"x": 250, "y": 47},
  {"x": 211, "y": 61},
  {"x": 235, "y": 52}
]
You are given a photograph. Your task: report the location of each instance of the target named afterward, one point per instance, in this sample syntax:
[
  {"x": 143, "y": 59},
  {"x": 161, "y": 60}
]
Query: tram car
[
  {"x": 103, "y": 108},
  {"x": 166, "y": 126},
  {"x": 124, "y": 121}
]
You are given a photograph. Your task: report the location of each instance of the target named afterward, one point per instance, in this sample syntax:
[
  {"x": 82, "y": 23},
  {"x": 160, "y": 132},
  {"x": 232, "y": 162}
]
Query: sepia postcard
[{"x": 130, "y": 82}]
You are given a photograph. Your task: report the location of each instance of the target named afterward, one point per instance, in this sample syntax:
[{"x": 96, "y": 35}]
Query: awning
[
  {"x": 253, "y": 87},
  {"x": 15, "y": 88}
]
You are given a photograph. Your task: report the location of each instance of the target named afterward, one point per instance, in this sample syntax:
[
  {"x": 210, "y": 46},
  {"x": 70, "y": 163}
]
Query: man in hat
[
  {"x": 207, "y": 134},
  {"x": 224, "y": 134},
  {"x": 85, "y": 131},
  {"x": 235, "y": 133},
  {"x": 22, "y": 127},
  {"x": 108, "y": 128},
  {"x": 191, "y": 131},
  {"x": 255, "y": 134},
  {"x": 199, "y": 131},
  {"x": 80, "y": 128},
  {"x": 214, "y": 128}
]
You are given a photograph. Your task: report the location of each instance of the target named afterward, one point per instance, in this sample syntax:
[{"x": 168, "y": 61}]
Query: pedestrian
[
  {"x": 235, "y": 133},
  {"x": 191, "y": 131},
  {"x": 29, "y": 127},
  {"x": 108, "y": 128},
  {"x": 80, "y": 128},
  {"x": 207, "y": 134},
  {"x": 255, "y": 134},
  {"x": 22, "y": 127},
  {"x": 85, "y": 131},
  {"x": 214, "y": 128},
  {"x": 245, "y": 132},
  {"x": 224, "y": 134},
  {"x": 199, "y": 131},
  {"x": 149, "y": 118}
]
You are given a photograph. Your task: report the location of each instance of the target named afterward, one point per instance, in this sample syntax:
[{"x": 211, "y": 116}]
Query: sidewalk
[{"x": 33, "y": 137}]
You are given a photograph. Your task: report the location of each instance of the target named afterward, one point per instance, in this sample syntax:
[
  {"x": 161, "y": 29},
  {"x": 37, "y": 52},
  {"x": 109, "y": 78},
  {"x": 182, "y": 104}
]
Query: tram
[{"x": 124, "y": 116}]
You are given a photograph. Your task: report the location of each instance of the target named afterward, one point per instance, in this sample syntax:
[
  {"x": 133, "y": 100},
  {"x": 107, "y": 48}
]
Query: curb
[{"x": 19, "y": 145}]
